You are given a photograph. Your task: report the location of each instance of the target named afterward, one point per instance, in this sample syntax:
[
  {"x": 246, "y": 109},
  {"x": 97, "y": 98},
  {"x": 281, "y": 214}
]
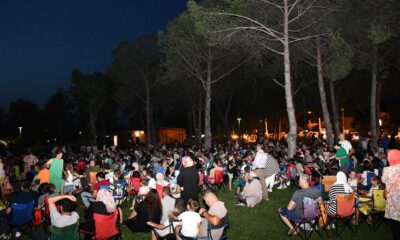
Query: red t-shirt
[{"x": 98, "y": 185}]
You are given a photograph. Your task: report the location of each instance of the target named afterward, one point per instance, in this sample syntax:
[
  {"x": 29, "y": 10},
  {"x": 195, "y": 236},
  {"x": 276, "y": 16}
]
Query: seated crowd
[{"x": 161, "y": 185}]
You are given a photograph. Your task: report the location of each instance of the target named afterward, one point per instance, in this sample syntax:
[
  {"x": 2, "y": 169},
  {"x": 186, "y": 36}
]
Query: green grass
[{"x": 262, "y": 222}]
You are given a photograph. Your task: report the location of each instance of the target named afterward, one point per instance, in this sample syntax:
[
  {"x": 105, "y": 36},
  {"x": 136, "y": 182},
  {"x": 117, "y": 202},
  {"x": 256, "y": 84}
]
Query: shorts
[
  {"x": 288, "y": 213},
  {"x": 69, "y": 188},
  {"x": 230, "y": 175}
]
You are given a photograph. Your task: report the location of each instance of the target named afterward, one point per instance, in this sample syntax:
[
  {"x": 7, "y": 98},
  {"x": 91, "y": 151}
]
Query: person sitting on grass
[
  {"x": 294, "y": 210},
  {"x": 252, "y": 193},
  {"x": 190, "y": 221}
]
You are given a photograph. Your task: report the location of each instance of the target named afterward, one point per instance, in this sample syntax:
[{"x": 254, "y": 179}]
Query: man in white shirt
[
  {"x": 344, "y": 143},
  {"x": 259, "y": 164}
]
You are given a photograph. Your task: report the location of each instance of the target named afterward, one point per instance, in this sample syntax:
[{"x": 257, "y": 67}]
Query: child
[
  {"x": 68, "y": 186},
  {"x": 352, "y": 181},
  {"x": 376, "y": 185},
  {"x": 118, "y": 189},
  {"x": 190, "y": 221}
]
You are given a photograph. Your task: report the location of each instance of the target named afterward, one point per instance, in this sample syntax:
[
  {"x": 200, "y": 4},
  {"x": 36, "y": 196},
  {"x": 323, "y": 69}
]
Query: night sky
[{"x": 42, "y": 41}]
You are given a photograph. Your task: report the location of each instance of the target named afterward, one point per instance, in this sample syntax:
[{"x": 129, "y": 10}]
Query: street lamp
[
  {"x": 239, "y": 119},
  {"x": 20, "y": 131}
]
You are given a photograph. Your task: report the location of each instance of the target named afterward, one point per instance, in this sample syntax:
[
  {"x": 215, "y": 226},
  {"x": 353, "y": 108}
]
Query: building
[{"x": 170, "y": 135}]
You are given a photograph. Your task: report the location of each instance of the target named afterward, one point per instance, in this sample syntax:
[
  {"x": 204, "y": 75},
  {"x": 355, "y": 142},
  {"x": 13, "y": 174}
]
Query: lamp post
[
  {"x": 20, "y": 131},
  {"x": 239, "y": 119}
]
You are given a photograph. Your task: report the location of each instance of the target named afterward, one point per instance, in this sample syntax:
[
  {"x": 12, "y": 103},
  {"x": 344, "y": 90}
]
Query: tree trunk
[
  {"x": 324, "y": 105},
  {"x": 207, "y": 109},
  {"x": 378, "y": 100},
  {"x": 92, "y": 129},
  {"x": 335, "y": 116},
  {"x": 199, "y": 120},
  {"x": 373, "y": 123},
  {"x": 292, "y": 135},
  {"x": 148, "y": 115},
  {"x": 226, "y": 115}
]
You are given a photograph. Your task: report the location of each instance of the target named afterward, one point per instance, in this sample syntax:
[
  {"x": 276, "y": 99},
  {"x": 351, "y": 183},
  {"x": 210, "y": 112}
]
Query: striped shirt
[{"x": 336, "y": 189}]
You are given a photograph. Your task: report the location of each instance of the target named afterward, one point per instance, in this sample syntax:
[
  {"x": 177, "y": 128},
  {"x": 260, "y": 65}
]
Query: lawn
[{"x": 262, "y": 222}]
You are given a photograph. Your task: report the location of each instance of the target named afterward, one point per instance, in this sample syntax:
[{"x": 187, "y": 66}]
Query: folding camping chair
[
  {"x": 345, "y": 211},
  {"x": 217, "y": 184},
  {"x": 310, "y": 217},
  {"x": 22, "y": 216},
  {"x": 105, "y": 227},
  {"x": 66, "y": 233}
]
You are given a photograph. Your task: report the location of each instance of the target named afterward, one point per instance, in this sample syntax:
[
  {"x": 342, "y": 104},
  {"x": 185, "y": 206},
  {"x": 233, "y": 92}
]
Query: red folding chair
[
  {"x": 105, "y": 227},
  {"x": 217, "y": 183}
]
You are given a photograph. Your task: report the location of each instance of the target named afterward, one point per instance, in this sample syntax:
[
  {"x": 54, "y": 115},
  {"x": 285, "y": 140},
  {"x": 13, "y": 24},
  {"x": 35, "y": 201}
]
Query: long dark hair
[{"x": 153, "y": 203}]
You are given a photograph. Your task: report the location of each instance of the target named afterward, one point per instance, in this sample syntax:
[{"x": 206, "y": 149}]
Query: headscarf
[
  {"x": 394, "y": 157},
  {"x": 342, "y": 179},
  {"x": 106, "y": 197},
  {"x": 187, "y": 161}
]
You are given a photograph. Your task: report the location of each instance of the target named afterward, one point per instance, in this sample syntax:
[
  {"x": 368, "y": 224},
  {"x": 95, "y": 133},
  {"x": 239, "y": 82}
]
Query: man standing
[
  {"x": 216, "y": 216},
  {"x": 345, "y": 144},
  {"x": 294, "y": 210},
  {"x": 259, "y": 164}
]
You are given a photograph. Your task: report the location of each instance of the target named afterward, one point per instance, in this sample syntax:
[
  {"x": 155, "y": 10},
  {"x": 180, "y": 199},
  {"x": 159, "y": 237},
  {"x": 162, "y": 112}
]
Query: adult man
[
  {"x": 68, "y": 216},
  {"x": 344, "y": 143},
  {"x": 216, "y": 216},
  {"x": 294, "y": 210},
  {"x": 259, "y": 164},
  {"x": 167, "y": 203}
]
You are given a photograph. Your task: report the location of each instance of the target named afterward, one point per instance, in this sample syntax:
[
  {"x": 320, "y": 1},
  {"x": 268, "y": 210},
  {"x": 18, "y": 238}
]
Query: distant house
[{"x": 170, "y": 135}]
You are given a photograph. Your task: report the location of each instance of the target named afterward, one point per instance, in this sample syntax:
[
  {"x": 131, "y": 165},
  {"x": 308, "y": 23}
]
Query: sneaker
[
  {"x": 18, "y": 234},
  {"x": 269, "y": 190},
  {"x": 331, "y": 226},
  {"x": 240, "y": 205},
  {"x": 305, "y": 226},
  {"x": 280, "y": 187}
]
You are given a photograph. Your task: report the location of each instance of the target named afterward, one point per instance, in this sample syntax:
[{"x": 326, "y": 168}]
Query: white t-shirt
[
  {"x": 346, "y": 145},
  {"x": 190, "y": 222},
  {"x": 60, "y": 221}
]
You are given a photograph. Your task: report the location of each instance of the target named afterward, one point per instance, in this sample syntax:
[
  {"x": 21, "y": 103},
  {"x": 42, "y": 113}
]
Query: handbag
[{"x": 323, "y": 217}]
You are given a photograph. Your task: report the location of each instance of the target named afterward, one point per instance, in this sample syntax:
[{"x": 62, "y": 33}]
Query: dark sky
[{"x": 42, "y": 41}]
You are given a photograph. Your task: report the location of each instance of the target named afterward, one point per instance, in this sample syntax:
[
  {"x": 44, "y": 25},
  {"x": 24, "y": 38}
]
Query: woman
[
  {"x": 149, "y": 210},
  {"x": 188, "y": 180},
  {"x": 162, "y": 229},
  {"x": 56, "y": 170},
  {"x": 339, "y": 187},
  {"x": 252, "y": 191},
  {"x": 391, "y": 177},
  {"x": 104, "y": 205}
]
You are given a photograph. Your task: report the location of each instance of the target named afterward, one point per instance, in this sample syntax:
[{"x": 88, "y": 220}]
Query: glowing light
[{"x": 115, "y": 140}]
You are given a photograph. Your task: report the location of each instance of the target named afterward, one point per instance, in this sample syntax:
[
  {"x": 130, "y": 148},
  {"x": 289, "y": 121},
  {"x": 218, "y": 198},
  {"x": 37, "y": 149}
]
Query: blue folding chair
[{"x": 22, "y": 215}]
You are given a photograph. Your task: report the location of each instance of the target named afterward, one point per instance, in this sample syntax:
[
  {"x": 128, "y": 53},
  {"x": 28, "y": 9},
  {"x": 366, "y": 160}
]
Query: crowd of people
[{"x": 161, "y": 184}]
